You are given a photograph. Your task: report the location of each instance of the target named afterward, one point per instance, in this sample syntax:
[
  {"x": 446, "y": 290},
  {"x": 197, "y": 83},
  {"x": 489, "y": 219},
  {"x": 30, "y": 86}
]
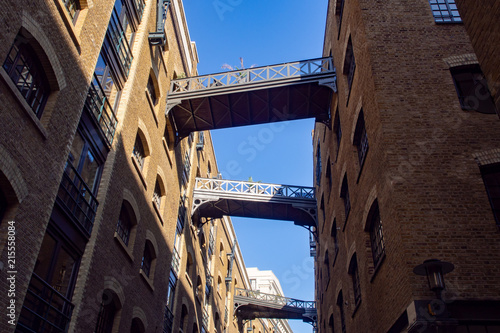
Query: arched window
[
  {"x": 376, "y": 234},
  {"x": 344, "y": 195},
  {"x": 219, "y": 283},
  {"x": 148, "y": 260},
  {"x": 158, "y": 194},
  {"x": 125, "y": 228},
  {"x": 139, "y": 152},
  {"x": 221, "y": 252},
  {"x": 330, "y": 324},
  {"x": 340, "y": 304},
  {"x": 199, "y": 288},
  {"x": 354, "y": 273},
  {"x": 184, "y": 318},
  {"x": 137, "y": 326},
  {"x": 361, "y": 139},
  {"x": 189, "y": 265},
  {"x": 26, "y": 72},
  {"x": 107, "y": 313}
]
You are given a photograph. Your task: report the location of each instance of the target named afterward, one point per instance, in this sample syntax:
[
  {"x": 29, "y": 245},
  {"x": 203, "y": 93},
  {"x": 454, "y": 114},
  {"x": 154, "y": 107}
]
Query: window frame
[
  {"x": 488, "y": 172},
  {"x": 375, "y": 229},
  {"x": 356, "y": 284},
  {"x": 437, "y": 13},
  {"x": 361, "y": 140},
  {"x": 349, "y": 66},
  {"x": 344, "y": 195}
]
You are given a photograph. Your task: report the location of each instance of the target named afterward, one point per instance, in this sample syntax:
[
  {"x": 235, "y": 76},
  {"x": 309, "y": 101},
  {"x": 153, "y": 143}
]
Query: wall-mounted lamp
[{"x": 435, "y": 270}]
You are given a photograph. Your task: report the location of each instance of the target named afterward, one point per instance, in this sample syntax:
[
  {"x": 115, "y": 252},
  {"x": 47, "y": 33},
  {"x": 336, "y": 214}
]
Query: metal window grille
[
  {"x": 361, "y": 140},
  {"x": 187, "y": 168},
  {"x": 157, "y": 195},
  {"x": 353, "y": 270},
  {"x": 123, "y": 227},
  {"x": 105, "y": 317},
  {"x": 23, "y": 67},
  {"x": 73, "y": 7},
  {"x": 445, "y": 11},
  {"x": 351, "y": 63},
  {"x": 168, "y": 320},
  {"x": 116, "y": 40},
  {"x": 138, "y": 152},
  {"x": 152, "y": 91},
  {"x": 377, "y": 237}
]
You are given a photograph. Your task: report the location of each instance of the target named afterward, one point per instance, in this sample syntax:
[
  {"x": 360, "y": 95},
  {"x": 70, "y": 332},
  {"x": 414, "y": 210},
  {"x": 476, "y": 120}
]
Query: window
[
  {"x": 152, "y": 91},
  {"x": 344, "y": 194},
  {"x": 472, "y": 89},
  {"x": 48, "y": 298},
  {"x": 331, "y": 324},
  {"x": 107, "y": 313},
  {"x": 219, "y": 283},
  {"x": 361, "y": 139},
  {"x": 80, "y": 181},
  {"x": 147, "y": 260},
  {"x": 339, "y": 12},
  {"x": 199, "y": 289},
  {"x": 318, "y": 165},
  {"x": 376, "y": 234},
  {"x": 138, "y": 152},
  {"x": 125, "y": 224},
  {"x": 172, "y": 284},
  {"x": 73, "y": 8},
  {"x": 353, "y": 271},
  {"x": 137, "y": 326},
  {"x": 157, "y": 194},
  {"x": 187, "y": 168},
  {"x": 335, "y": 239},
  {"x": 26, "y": 71},
  {"x": 121, "y": 34},
  {"x": 337, "y": 129},
  {"x": 322, "y": 208},
  {"x": 328, "y": 174},
  {"x": 340, "y": 304},
  {"x": 209, "y": 170},
  {"x": 349, "y": 64},
  {"x": 445, "y": 11},
  {"x": 491, "y": 179},
  {"x": 184, "y": 318},
  {"x": 327, "y": 266}
]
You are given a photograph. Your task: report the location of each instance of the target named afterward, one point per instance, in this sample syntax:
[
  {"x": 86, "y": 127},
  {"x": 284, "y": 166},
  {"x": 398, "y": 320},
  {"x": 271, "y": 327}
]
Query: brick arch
[
  {"x": 112, "y": 284},
  {"x": 151, "y": 238},
  {"x": 129, "y": 197},
  {"x": 163, "y": 183},
  {"x": 144, "y": 134},
  {"x": 11, "y": 179},
  {"x": 461, "y": 60},
  {"x": 369, "y": 202},
  {"x": 358, "y": 109},
  {"x": 138, "y": 312},
  {"x": 45, "y": 50},
  {"x": 352, "y": 251}
]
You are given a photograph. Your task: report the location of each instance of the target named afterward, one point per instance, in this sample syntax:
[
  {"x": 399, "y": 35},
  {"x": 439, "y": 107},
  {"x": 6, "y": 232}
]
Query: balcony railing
[
  {"x": 98, "y": 105},
  {"x": 205, "y": 318},
  {"x": 291, "y": 70},
  {"x": 168, "y": 320},
  {"x": 275, "y": 299},
  {"x": 44, "y": 308},
  {"x": 78, "y": 198},
  {"x": 139, "y": 7}
]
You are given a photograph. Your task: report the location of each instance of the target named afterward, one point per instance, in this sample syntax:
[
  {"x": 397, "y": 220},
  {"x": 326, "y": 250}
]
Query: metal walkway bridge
[
  {"x": 218, "y": 197},
  {"x": 250, "y": 304},
  {"x": 294, "y": 90}
]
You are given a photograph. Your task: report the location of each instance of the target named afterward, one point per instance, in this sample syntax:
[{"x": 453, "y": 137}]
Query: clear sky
[{"x": 264, "y": 33}]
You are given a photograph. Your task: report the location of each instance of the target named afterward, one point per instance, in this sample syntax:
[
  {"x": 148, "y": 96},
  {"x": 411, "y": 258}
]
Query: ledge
[
  {"x": 146, "y": 279},
  {"x": 22, "y": 102},
  {"x": 124, "y": 246},
  {"x": 138, "y": 169}
]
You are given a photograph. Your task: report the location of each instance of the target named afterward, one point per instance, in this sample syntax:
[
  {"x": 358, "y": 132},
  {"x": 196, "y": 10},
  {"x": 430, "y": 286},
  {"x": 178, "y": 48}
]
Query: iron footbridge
[
  {"x": 251, "y": 304},
  {"x": 294, "y": 90},
  {"x": 215, "y": 198}
]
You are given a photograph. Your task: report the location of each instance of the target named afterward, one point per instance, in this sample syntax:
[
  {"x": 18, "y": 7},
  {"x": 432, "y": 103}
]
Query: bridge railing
[
  {"x": 288, "y": 70},
  {"x": 275, "y": 299},
  {"x": 255, "y": 188}
]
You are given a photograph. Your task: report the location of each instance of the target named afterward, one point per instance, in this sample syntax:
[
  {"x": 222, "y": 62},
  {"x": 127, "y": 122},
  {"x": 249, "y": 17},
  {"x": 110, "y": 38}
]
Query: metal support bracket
[{"x": 330, "y": 83}]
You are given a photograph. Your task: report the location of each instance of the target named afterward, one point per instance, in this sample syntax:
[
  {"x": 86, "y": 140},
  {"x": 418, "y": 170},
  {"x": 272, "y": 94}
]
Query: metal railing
[
  {"x": 98, "y": 105},
  {"x": 205, "y": 318},
  {"x": 254, "y": 188},
  {"x": 288, "y": 70},
  {"x": 275, "y": 299},
  {"x": 176, "y": 261},
  {"x": 78, "y": 198},
  {"x": 168, "y": 320},
  {"x": 120, "y": 42},
  {"x": 44, "y": 308}
]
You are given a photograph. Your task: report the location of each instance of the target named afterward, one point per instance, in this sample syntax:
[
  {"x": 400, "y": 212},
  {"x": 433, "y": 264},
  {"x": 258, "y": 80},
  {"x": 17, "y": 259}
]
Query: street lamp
[{"x": 435, "y": 270}]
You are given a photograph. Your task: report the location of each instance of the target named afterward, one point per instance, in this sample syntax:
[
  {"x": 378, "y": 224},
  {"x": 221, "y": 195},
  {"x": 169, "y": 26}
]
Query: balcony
[
  {"x": 168, "y": 320},
  {"x": 44, "y": 309},
  {"x": 77, "y": 199},
  {"x": 121, "y": 45},
  {"x": 98, "y": 105}
]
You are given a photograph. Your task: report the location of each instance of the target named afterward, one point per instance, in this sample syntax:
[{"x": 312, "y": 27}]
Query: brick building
[
  {"x": 407, "y": 172},
  {"x": 92, "y": 181}
]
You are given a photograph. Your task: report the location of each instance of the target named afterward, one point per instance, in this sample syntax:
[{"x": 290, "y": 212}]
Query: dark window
[
  {"x": 187, "y": 168},
  {"x": 353, "y": 271},
  {"x": 331, "y": 324},
  {"x": 337, "y": 129},
  {"x": 139, "y": 153},
  {"x": 25, "y": 70},
  {"x": 327, "y": 265},
  {"x": 328, "y": 175},
  {"x": 147, "y": 259},
  {"x": 322, "y": 208},
  {"x": 125, "y": 224},
  {"x": 318, "y": 165},
  {"x": 472, "y": 89},
  {"x": 121, "y": 34},
  {"x": 47, "y": 306},
  {"x": 80, "y": 181},
  {"x": 137, "y": 326},
  {"x": 157, "y": 194},
  {"x": 361, "y": 139},
  {"x": 335, "y": 240},
  {"x": 344, "y": 194},
  {"x": 349, "y": 64},
  {"x": 491, "y": 178},
  {"x": 339, "y": 12},
  {"x": 184, "y": 318},
  {"x": 340, "y": 304},
  {"x": 73, "y": 8},
  {"x": 3, "y": 205},
  {"x": 376, "y": 234},
  {"x": 152, "y": 91},
  {"x": 107, "y": 313},
  {"x": 445, "y": 11}
]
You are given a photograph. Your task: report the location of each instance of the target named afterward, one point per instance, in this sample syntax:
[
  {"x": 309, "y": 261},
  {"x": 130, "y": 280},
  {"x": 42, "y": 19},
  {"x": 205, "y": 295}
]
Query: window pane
[
  {"x": 63, "y": 270},
  {"x": 44, "y": 258}
]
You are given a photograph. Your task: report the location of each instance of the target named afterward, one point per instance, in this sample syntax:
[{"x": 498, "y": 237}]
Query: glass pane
[
  {"x": 42, "y": 264},
  {"x": 90, "y": 171},
  {"x": 76, "y": 150},
  {"x": 63, "y": 270}
]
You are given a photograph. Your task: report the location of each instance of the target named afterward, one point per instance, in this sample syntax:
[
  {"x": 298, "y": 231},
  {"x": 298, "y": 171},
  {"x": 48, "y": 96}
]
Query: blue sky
[{"x": 264, "y": 33}]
